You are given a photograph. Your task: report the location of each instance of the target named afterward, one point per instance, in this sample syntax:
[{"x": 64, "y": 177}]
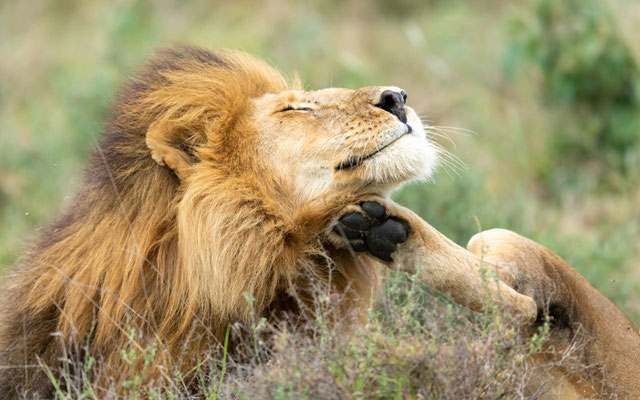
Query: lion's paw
[{"x": 368, "y": 227}]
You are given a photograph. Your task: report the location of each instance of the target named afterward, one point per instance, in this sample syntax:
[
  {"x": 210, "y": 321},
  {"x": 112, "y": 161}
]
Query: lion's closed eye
[{"x": 290, "y": 108}]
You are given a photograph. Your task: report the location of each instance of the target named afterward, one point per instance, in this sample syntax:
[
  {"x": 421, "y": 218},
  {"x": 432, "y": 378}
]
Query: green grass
[{"x": 63, "y": 61}]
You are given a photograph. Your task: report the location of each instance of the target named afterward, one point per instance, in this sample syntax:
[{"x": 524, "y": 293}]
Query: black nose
[{"x": 393, "y": 102}]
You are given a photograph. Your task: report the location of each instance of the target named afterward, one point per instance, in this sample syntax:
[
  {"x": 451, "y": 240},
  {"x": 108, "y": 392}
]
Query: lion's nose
[{"x": 393, "y": 102}]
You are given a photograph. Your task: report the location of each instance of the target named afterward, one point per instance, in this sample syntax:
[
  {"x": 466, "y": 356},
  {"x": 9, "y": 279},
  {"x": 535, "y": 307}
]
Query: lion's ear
[{"x": 167, "y": 144}]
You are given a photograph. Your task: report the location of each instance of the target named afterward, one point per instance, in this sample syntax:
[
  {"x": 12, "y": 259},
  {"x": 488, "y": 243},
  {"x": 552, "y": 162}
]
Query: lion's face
[{"x": 336, "y": 138}]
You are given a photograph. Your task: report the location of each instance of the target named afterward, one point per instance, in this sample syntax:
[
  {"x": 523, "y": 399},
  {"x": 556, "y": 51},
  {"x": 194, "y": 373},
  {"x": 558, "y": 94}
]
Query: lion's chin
[{"x": 412, "y": 157}]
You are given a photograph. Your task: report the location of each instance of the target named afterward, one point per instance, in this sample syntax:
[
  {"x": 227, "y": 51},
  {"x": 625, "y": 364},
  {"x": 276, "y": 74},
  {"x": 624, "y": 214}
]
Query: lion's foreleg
[{"x": 432, "y": 257}]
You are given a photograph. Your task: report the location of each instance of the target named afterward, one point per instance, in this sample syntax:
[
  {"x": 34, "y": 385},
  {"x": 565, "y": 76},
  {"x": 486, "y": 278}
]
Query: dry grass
[{"x": 413, "y": 344}]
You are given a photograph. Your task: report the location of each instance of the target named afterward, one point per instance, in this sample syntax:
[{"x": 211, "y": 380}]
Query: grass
[
  {"x": 63, "y": 63},
  {"x": 413, "y": 344}
]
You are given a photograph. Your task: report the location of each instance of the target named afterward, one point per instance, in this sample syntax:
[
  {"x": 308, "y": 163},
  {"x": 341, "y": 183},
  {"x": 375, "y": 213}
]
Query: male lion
[
  {"x": 219, "y": 193},
  {"x": 217, "y": 179}
]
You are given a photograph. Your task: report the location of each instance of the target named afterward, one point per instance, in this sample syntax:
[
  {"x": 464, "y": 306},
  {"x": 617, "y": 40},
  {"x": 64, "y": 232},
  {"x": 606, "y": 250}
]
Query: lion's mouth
[{"x": 352, "y": 161}]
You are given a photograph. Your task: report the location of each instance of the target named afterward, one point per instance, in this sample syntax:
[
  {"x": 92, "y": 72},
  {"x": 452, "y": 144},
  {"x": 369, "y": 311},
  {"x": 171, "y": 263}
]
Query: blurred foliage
[
  {"x": 548, "y": 88},
  {"x": 589, "y": 73}
]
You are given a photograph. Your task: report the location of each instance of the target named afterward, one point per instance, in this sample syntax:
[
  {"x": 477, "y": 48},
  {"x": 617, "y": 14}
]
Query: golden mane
[{"x": 135, "y": 250}]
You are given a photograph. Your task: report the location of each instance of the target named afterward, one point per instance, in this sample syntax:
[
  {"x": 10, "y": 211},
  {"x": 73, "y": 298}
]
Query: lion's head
[
  {"x": 343, "y": 139},
  {"x": 315, "y": 142},
  {"x": 216, "y": 179}
]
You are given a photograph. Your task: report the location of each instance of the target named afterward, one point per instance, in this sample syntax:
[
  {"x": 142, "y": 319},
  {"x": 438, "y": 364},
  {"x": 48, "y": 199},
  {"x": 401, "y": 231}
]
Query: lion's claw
[{"x": 372, "y": 230}]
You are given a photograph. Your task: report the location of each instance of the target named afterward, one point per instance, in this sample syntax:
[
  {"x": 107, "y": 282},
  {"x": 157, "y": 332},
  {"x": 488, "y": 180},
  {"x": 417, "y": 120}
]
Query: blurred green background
[{"x": 540, "y": 100}]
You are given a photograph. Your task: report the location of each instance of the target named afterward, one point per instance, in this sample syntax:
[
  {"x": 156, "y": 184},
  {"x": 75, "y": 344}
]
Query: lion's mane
[{"x": 171, "y": 258}]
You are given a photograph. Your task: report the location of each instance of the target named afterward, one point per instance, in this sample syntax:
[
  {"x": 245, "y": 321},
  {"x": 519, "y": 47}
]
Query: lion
[{"x": 209, "y": 201}]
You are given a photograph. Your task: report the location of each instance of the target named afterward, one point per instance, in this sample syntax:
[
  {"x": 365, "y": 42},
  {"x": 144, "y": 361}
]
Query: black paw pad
[
  {"x": 373, "y": 230},
  {"x": 355, "y": 221},
  {"x": 391, "y": 230},
  {"x": 375, "y": 210}
]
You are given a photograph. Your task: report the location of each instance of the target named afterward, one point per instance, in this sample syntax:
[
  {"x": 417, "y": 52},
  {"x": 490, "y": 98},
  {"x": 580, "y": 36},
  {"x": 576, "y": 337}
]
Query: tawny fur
[
  {"x": 166, "y": 237},
  {"x": 608, "y": 341}
]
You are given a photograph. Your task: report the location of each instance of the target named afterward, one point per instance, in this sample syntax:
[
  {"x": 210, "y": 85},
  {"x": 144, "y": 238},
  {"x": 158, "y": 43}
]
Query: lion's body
[{"x": 171, "y": 252}]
